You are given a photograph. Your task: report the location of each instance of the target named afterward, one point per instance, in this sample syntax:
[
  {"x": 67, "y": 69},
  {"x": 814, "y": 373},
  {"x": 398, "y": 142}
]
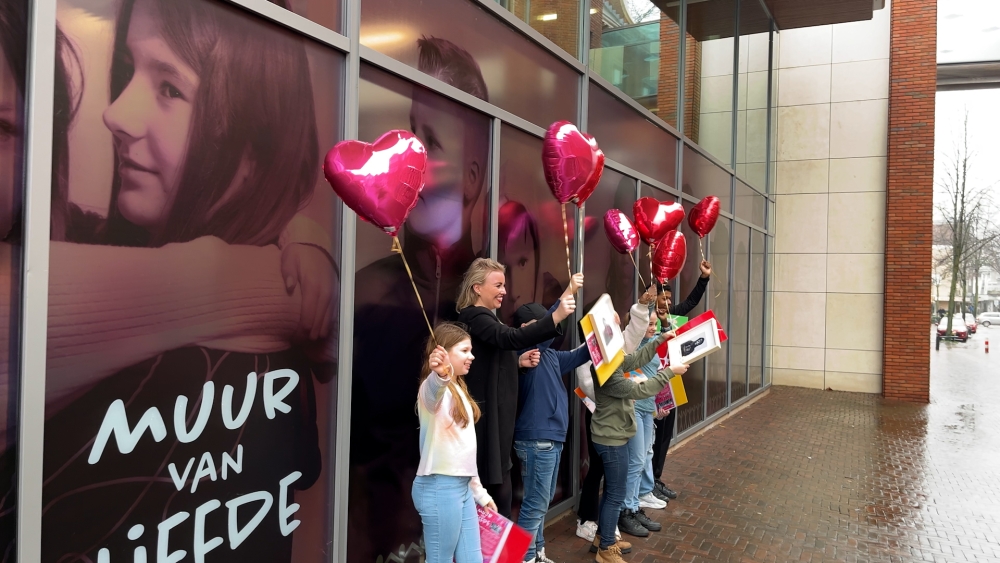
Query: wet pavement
[{"x": 808, "y": 475}]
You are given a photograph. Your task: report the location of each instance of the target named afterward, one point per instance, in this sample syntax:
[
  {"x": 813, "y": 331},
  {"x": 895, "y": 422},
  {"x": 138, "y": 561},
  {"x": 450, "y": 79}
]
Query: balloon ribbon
[
  {"x": 569, "y": 267},
  {"x": 637, "y": 272},
  {"x": 398, "y": 249}
]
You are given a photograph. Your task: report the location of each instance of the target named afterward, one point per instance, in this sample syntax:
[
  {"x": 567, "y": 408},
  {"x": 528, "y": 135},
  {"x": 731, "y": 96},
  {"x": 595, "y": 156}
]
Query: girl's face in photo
[
  {"x": 461, "y": 357},
  {"x": 519, "y": 257},
  {"x": 492, "y": 292},
  {"x": 150, "y": 121},
  {"x": 438, "y": 213},
  {"x": 10, "y": 145}
]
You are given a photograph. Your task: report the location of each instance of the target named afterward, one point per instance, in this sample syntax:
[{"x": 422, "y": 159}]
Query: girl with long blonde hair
[{"x": 447, "y": 487}]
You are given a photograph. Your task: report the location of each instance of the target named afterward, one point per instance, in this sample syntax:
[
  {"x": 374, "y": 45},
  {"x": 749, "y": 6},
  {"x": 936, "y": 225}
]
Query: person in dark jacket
[
  {"x": 540, "y": 430},
  {"x": 493, "y": 378},
  {"x": 664, "y": 427}
]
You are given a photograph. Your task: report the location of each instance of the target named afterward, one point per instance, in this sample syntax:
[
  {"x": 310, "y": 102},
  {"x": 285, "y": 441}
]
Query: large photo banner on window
[
  {"x": 13, "y": 64},
  {"x": 194, "y": 288}
]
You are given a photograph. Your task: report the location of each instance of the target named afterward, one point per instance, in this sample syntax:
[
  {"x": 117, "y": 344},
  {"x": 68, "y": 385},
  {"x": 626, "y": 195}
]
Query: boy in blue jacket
[{"x": 540, "y": 430}]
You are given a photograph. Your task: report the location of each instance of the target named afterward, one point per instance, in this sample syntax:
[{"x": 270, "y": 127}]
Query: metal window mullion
[
  {"x": 736, "y": 87},
  {"x": 35, "y": 278},
  {"x": 295, "y": 22},
  {"x": 494, "y": 193},
  {"x": 729, "y": 317},
  {"x": 341, "y": 470},
  {"x": 682, "y": 66},
  {"x": 582, "y": 121}
]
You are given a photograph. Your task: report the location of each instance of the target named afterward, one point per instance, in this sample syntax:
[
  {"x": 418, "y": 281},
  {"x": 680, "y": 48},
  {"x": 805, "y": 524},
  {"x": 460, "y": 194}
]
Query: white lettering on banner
[
  {"x": 201, "y": 547},
  {"x": 227, "y": 403},
  {"x": 206, "y": 468},
  {"x": 284, "y": 509},
  {"x": 180, "y": 414},
  {"x": 163, "y": 539},
  {"x": 116, "y": 420},
  {"x": 274, "y": 401},
  {"x": 179, "y": 481},
  {"x": 228, "y": 462},
  {"x": 236, "y": 535}
]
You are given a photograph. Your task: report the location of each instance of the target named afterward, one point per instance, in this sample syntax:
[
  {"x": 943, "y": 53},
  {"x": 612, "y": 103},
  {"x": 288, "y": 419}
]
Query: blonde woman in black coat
[{"x": 492, "y": 380}]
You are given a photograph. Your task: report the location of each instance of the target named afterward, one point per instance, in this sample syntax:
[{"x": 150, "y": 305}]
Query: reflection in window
[
  {"x": 738, "y": 327},
  {"x": 518, "y": 75},
  {"x": 756, "y": 361},
  {"x": 532, "y": 246},
  {"x": 718, "y": 301},
  {"x": 751, "y": 109},
  {"x": 701, "y": 177},
  {"x": 557, "y": 20},
  {"x": 445, "y": 232},
  {"x": 708, "y": 99},
  {"x": 636, "y": 47}
]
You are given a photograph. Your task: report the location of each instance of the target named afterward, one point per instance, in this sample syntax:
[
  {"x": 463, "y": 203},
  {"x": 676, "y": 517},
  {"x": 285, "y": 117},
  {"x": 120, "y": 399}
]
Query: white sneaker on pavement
[
  {"x": 541, "y": 558},
  {"x": 586, "y": 530},
  {"x": 650, "y": 501}
]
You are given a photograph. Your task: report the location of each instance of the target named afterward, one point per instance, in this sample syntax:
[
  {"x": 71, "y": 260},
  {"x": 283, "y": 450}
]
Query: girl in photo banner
[{"x": 203, "y": 161}]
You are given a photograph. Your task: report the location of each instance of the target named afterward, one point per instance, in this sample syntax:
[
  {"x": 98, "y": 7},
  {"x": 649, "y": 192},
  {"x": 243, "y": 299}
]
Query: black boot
[
  {"x": 646, "y": 521},
  {"x": 629, "y": 525}
]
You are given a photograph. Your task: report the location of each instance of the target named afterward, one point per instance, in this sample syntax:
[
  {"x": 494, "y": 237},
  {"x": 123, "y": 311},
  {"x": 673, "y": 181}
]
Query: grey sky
[{"x": 968, "y": 30}]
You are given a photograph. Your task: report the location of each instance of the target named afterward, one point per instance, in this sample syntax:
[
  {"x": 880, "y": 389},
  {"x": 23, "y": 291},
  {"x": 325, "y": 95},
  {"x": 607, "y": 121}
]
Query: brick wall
[
  {"x": 563, "y": 30},
  {"x": 909, "y": 200},
  {"x": 666, "y": 97}
]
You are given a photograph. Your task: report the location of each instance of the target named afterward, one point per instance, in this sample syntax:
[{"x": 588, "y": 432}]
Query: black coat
[
  {"x": 492, "y": 383},
  {"x": 693, "y": 298}
]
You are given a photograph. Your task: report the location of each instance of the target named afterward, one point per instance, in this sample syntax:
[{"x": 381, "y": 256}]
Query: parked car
[
  {"x": 970, "y": 321},
  {"x": 958, "y": 328},
  {"x": 987, "y": 319}
]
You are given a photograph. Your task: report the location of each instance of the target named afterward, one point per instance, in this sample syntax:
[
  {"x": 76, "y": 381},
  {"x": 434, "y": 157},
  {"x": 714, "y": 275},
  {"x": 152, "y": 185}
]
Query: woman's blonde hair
[
  {"x": 476, "y": 275},
  {"x": 449, "y": 335}
]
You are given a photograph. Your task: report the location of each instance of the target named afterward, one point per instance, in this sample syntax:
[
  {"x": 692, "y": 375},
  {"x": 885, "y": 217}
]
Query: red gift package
[{"x": 502, "y": 540}]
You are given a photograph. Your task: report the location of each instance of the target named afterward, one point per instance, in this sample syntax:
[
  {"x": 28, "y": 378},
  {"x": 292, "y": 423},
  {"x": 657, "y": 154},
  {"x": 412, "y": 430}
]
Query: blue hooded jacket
[{"x": 543, "y": 401}]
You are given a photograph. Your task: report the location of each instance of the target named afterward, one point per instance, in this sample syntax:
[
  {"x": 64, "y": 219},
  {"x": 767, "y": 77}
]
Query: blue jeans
[
  {"x": 448, "y": 514},
  {"x": 640, "y": 460},
  {"x": 615, "y": 460},
  {"x": 539, "y": 469}
]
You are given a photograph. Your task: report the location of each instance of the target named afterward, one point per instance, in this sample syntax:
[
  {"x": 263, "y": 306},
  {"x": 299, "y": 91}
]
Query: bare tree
[{"x": 965, "y": 209}]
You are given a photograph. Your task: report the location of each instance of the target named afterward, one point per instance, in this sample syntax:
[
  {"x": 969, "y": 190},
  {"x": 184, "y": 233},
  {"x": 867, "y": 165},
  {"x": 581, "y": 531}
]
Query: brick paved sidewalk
[{"x": 809, "y": 475}]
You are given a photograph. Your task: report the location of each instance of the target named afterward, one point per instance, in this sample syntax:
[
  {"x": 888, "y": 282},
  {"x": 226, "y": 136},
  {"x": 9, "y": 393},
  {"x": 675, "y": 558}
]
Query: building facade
[{"x": 208, "y": 353}]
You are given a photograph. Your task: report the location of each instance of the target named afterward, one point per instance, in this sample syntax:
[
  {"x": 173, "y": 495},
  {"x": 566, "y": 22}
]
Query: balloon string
[
  {"x": 398, "y": 249},
  {"x": 637, "y": 272},
  {"x": 569, "y": 267}
]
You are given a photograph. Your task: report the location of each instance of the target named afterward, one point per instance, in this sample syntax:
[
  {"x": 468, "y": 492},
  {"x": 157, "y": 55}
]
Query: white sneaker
[
  {"x": 541, "y": 558},
  {"x": 586, "y": 530},
  {"x": 649, "y": 501}
]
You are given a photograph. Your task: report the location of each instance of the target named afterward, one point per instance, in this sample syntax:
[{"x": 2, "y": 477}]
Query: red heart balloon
[
  {"x": 669, "y": 256},
  {"x": 704, "y": 215},
  {"x": 654, "y": 218},
  {"x": 380, "y": 181},
  {"x": 572, "y": 161},
  {"x": 621, "y": 232}
]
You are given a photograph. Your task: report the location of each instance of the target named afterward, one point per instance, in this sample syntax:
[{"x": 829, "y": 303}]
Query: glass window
[
  {"x": 627, "y": 137},
  {"x": 687, "y": 287},
  {"x": 702, "y": 177},
  {"x": 13, "y": 65},
  {"x": 708, "y": 104},
  {"x": 470, "y": 49},
  {"x": 605, "y": 269},
  {"x": 323, "y": 12},
  {"x": 385, "y": 449},
  {"x": 750, "y": 205},
  {"x": 738, "y": 327},
  {"x": 558, "y": 20},
  {"x": 532, "y": 246},
  {"x": 751, "y": 109},
  {"x": 636, "y": 47},
  {"x": 773, "y": 139},
  {"x": 718, "y": 301},
  {"x": 758, "y": 211},
  {"x": 163, "y": 303},
  {"x": 756, "y": 361}
]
